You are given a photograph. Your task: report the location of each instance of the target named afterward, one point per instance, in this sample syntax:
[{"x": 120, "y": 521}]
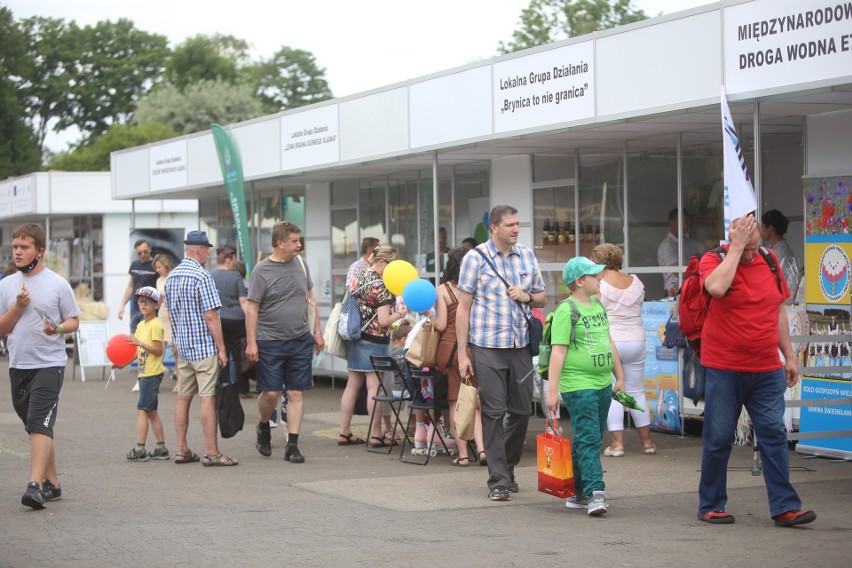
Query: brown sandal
[
  {"x": 218, "y": 460},
  {"x": 186, "y": 457},
  {"x": 350, "y": 440},
  {"x": 382, "y": 442}
]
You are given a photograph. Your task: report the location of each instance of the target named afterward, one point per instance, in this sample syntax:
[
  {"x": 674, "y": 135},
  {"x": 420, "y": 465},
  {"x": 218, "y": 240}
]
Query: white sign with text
[
  {"x": 23, "y": 199},
  {"x": 167, "y": 166},
  {"x": 6, "y": 198},
  {"x": 544, "y": 88},
  {"x": 784, "y": 42},
  {"x": 310, "y": 138}
]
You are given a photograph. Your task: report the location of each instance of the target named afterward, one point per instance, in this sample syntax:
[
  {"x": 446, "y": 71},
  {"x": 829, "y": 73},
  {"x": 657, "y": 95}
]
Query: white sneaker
[
  {"x": 135, "y": 387},
  {"x": 598, "y": 504},
  {"x": 273, "y": 424}
]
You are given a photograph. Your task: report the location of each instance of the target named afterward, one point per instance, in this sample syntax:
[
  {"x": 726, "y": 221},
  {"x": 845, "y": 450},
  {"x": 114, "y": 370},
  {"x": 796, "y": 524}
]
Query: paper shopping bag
[
  {"x": 424, "y": 349},
  {"x": 555, "y": 468},
  {"x": 466, "y": 411}
]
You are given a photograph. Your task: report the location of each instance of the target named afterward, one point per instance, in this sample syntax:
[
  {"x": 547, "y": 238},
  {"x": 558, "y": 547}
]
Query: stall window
[
  {"x": 651, "y": 194},
  {"x": 344, "y": 238},
  {"x": 703, "y": 189},
  {"x": 372, "y": 210},
  {"x": 402, "y": 216},
  {"x": 552, "y": 167},
  {"x": 601, "y": 198},
  {"x": 554, "y": 224},
  {"x": 344, "y": 225},
  {"x": 471, "y": 202}
]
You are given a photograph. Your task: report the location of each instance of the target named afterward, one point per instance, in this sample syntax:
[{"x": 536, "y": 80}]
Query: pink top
[{"x": 624, "y": 310}]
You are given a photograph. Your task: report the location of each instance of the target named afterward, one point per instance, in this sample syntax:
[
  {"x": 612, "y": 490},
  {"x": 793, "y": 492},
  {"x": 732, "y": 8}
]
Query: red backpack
[{"x": 694, "y": 301}]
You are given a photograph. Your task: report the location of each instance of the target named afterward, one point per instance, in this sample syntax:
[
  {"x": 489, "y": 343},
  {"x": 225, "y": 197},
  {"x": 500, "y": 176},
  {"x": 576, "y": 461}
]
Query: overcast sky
[{"x": 362, "y": 45}]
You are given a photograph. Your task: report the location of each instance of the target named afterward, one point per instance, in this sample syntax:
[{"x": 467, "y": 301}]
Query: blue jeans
[{"x": 763, "y": 396}]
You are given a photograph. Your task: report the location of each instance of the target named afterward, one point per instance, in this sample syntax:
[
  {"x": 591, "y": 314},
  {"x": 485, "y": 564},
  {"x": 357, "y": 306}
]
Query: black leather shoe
[
  {"x": 293, "y": 455},
  {"x": 264, "y": 440}
]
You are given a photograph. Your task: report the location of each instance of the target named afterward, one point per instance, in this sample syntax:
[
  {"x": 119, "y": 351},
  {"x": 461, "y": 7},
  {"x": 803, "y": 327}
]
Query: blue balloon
[{"x": 419, "y": 295}]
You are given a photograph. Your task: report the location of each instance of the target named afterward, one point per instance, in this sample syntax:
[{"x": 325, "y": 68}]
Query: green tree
[
  {"x": 19, "y": 152},
  {"x": 54, "y": 48},
  {"x": 198, "y": 105},
  {"x": 289, "y": 79},
  {"x": 547, "y": 21},
  {"x": 118, "y": 63},
  {"x": 206, "y": 58},
  {"x": 95, "y": 156}
]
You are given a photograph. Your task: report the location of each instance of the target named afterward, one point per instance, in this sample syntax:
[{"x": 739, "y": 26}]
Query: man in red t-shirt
[{"x": 745, "y": 328}]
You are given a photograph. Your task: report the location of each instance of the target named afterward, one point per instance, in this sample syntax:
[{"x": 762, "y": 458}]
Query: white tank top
[{"x": 624, "y": 310}]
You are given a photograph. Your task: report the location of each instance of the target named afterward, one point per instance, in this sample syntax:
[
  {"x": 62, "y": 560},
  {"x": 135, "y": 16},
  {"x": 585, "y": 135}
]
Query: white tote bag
[{"x": 334, "y": 344}]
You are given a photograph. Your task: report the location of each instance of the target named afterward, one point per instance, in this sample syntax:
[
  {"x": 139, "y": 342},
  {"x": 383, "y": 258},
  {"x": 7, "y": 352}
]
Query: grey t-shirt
[
  {"x": 281, "y": 289},
  {"x": 231, "y": 288},
  {"x": 29, "y": 346}
]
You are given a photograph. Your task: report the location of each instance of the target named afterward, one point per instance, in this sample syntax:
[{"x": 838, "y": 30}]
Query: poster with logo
[
  {"x": 826, "y": 417},
  {"x": 661, "y": 384},
  {"x": 828, "y": 247}
]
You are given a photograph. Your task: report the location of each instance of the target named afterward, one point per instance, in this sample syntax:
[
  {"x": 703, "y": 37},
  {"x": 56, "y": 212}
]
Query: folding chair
[
  {"x": 434, "y": 409},
  {"x": 383, "y": 364}
]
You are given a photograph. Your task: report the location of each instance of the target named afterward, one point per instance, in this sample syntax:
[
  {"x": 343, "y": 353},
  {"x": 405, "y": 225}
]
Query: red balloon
[{"x": 120, "y": 351}]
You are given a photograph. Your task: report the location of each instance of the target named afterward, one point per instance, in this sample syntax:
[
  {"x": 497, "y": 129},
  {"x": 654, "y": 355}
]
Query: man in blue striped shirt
[
  {"x": 193, "y": 302},
  {"x": 492, "y": 317}
]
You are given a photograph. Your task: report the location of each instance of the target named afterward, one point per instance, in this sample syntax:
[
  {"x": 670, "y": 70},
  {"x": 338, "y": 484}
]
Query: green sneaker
[
  {"x": 135, "y": 455},
  {"x": 159, "y": 453}
]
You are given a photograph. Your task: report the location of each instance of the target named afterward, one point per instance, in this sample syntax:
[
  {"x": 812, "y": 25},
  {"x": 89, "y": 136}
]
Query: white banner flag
[{"x": 739, "y": 194}]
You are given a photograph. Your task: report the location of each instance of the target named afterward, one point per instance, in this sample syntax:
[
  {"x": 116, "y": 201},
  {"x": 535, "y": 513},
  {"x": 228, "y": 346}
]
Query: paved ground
[{"x": 346, "y": 506}]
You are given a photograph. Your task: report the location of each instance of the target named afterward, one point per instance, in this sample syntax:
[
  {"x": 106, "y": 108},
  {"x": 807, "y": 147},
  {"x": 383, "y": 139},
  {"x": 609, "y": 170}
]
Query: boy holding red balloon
[{"x": 149, "y": 349}]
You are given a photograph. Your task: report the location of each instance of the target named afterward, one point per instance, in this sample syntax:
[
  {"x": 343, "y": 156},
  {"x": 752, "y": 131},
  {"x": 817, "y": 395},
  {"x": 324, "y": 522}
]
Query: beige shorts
[{"x": 198, "y": 377}]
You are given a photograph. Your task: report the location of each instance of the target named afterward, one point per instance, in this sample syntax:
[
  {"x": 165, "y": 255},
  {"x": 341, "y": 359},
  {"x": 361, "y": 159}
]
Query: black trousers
[{"x": 233, "y": 332}]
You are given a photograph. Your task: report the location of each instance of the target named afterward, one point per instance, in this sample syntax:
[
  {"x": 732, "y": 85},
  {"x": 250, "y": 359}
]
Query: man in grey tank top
[{"x": 278, "y": 337}]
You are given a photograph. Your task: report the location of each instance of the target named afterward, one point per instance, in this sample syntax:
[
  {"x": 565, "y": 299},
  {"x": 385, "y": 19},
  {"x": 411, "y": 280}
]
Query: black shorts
[{"x": 35, "y": 396}]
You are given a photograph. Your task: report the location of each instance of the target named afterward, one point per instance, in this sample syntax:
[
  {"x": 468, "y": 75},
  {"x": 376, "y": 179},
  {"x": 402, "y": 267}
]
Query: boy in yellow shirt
[{"x": 150, "y": 348}]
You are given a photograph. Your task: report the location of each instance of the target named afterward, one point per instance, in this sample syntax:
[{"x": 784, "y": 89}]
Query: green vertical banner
[{"x": 232, "y": 172}]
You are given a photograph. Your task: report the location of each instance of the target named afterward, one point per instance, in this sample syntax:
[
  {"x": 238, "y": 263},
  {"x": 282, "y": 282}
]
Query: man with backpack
[{"x": 744, "y": 329}]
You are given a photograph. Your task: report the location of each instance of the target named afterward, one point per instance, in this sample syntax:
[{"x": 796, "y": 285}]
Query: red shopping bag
[{"x": 555, "y": 467}]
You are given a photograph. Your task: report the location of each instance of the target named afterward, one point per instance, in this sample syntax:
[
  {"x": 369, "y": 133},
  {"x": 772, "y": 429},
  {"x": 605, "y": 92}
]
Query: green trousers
[{"x": 588, "y": 410}]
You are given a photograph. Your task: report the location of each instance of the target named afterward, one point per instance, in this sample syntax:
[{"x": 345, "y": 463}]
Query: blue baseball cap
[
  {"x": 197, "y": 238},
  {"x": 579, "y": 266}
]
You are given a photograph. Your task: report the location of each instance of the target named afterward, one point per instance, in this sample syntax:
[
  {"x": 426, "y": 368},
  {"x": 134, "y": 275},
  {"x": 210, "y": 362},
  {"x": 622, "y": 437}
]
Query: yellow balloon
[{"x": 397, "y": 274}]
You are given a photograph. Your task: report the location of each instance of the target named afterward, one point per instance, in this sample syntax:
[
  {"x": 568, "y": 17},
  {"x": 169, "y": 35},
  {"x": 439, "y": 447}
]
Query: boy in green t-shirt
[
  {"x": 150, "y": 348},
  {"x": 585, "y": 380}
]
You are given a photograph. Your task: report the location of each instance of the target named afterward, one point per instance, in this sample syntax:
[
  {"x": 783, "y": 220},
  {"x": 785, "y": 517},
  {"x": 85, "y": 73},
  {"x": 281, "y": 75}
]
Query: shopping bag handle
[{"x": 553, "y": 422}]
